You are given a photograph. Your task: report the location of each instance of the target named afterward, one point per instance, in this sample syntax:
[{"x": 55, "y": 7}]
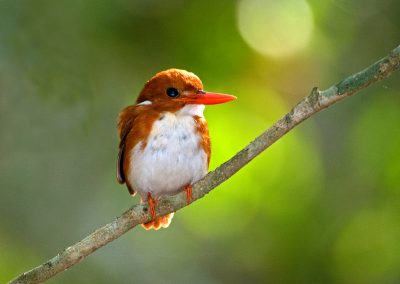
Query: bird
[{"x": 164, "y": 143}]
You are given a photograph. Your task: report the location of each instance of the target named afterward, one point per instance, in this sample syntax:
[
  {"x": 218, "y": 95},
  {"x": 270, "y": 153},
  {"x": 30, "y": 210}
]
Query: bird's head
[{"x": 174, "y": 88}]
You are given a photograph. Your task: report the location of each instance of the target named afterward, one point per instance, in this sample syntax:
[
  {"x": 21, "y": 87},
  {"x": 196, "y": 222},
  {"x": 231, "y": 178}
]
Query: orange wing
[
  {"x": 202, "y": 128},
  {"x": 125, "y": 123}
]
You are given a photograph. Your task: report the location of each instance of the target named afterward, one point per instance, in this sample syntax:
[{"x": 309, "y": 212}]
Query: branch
[{"x": 138, "y": 214}]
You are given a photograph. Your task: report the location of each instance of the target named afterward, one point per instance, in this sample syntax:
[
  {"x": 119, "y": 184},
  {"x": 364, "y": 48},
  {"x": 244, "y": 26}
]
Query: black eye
[{"x": 172, "y": 92}]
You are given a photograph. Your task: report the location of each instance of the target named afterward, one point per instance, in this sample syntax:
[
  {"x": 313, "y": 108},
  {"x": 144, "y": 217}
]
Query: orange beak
[{"x": 207, "y": 98}]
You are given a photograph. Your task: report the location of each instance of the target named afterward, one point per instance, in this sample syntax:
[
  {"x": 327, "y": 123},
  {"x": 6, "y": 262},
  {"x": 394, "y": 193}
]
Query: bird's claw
[
  {"x": 152, "y": 205},
  {"x": 188, "y": 190}
]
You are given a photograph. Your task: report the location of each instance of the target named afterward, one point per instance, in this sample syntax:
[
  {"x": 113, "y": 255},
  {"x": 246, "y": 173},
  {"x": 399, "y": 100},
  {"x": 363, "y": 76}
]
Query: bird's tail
[{"x": 159, "y": 222}]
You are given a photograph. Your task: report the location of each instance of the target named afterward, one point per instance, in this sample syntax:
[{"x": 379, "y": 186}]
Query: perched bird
[{"x": 164, "y": 142}]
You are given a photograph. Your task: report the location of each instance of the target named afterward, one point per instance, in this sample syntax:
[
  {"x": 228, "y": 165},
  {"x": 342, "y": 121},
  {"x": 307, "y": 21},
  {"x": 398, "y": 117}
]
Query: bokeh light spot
[{"x": 275, "y": 28}]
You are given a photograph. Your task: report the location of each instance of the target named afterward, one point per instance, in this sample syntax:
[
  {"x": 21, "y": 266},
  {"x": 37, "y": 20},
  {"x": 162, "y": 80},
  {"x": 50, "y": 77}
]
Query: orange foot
[
  {"x": 188, "y": 190},
  {"x": 152, "y": 205},
  {"x": 157, "y": 222}
]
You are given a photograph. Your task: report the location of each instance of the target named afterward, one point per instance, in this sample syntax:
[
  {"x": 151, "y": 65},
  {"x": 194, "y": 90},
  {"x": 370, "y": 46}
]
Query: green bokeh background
[{"x": 322, "y": 205}]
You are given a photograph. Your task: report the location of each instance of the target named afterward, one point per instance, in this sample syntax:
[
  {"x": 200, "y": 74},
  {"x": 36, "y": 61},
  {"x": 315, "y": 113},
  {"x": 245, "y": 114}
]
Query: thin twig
[{"x": 138, "y": 214}]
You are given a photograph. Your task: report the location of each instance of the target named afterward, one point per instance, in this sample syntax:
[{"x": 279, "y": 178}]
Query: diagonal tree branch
[{"x": 138, "y": 214}]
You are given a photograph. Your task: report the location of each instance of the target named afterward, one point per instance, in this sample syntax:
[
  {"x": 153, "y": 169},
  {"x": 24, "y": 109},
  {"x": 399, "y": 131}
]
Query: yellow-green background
[{"x": 322, "y": 205}]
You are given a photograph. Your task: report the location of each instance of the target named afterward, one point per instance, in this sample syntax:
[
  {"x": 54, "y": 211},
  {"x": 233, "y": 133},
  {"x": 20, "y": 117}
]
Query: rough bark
[{"x": 310, "y": 105}]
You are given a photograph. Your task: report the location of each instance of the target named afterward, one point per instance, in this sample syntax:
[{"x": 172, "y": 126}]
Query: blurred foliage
[{"x": 320, "y": 206}]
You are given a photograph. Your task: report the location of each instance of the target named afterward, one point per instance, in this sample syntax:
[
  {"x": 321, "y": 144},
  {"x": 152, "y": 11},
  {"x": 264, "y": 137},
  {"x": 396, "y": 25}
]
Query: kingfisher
[{"x": 164, "y": 140}]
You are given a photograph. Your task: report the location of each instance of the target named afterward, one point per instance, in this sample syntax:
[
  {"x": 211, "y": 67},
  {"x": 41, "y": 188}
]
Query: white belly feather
[{"x": 172, "y": 157}]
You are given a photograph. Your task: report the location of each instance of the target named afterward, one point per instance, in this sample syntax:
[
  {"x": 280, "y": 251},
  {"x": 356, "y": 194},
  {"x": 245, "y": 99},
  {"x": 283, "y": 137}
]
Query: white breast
[{"x": 173, "y": 156}]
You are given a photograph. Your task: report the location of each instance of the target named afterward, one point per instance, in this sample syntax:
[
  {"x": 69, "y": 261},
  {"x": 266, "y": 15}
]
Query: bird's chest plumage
[{"x": 171, "y": 158}]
